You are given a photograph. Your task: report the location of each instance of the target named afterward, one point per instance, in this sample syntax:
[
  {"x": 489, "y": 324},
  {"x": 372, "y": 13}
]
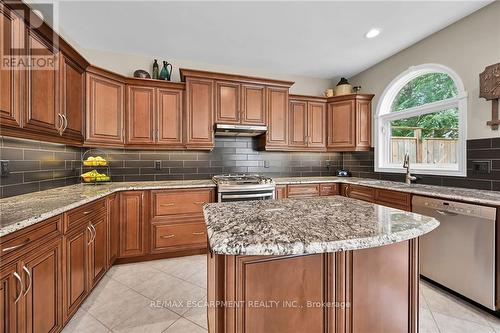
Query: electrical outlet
[
  {"x": 4, "y": 168},
  {"x": 266, "y": 164},
  {"x": 157, "y": 165},
  {"x": 481, "y": 166}
]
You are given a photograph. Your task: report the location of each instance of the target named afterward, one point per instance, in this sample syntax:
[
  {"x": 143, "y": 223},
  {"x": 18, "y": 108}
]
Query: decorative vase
[
  {"x": 166, "y": 73},
  {"x": 156, "y": 70}
]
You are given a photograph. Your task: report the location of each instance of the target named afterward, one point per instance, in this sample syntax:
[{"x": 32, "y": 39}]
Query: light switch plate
[
  {"x": 481, "y": 166},
  {"x": 4, "y": 168}
]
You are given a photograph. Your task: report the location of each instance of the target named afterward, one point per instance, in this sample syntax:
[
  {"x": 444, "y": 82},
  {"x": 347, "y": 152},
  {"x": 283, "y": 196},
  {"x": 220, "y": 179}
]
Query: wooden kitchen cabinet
[
  {"x": 238, "y": 103},
  {"x": 42, "y": 105},
  {"x": 98, "y": 247},
  {"x": 199, "y": 113},
  {"x": 227, "y": 102},
  {"x": 76, "y": 284},
  {"x": 359, "y": 192},
  {"x": 105, "y": 108},
  {"x": 349, "y": 122},
  {"x": 72, "y": 98},
  {"x": 302, "y": 190},
  {"x": 42, "y": 269},
  {"x": 253, "y": 104},
  {"x": 169, "y": 118},
  {"x": 328, "y": 189},
  {"x": 10, "y": 289},
  {"x": 307, "y": 125},
  {"x": 13, "y": 33},
  {"x": 113, "y": 228},
  {"x": 277, "y": 115},
  {"x": 280, "y": 192},
  {"x": 140, "y": 116},
  {"x": 132, "y": 223},
  {"x": 177, "y": 221}
]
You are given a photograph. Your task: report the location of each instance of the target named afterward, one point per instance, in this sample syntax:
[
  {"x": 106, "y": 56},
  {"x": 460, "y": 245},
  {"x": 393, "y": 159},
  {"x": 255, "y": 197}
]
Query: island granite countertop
[{"x": 308, "y": 226}]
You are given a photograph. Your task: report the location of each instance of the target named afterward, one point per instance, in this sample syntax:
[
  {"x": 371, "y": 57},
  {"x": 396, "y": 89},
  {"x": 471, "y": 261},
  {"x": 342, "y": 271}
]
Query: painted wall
[
  {"x": 467, "y": 47},
  {"x": 126, "y": 64}
]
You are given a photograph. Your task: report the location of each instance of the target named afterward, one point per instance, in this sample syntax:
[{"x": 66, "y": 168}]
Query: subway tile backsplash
[
  {"x": 36, "y": 166},
  {"x": 361, "y": 164}
]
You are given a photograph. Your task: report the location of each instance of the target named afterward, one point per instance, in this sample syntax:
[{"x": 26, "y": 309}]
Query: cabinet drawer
[
  {"x": 310, "y": 190},
  {"x": 393, "y": 199},
  {"x": 328, "y": 189},
  {"x": 78, "y": 215},
  {"x": 24, "y": 237},
  {"x": 180, "y": 202},
  {"x": 360, "y": 192},
  {"x": 179, "y": 235}
]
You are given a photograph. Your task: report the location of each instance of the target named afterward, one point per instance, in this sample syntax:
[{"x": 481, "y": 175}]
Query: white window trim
[{"x": 384, "y": 116}]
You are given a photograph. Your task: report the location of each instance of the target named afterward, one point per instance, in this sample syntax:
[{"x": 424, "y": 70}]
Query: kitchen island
[{"x": 324, "y": 264}]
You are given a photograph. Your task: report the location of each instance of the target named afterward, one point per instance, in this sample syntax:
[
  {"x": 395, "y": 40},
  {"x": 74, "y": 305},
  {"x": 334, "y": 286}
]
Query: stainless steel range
[{"x": 243, "y": 187}]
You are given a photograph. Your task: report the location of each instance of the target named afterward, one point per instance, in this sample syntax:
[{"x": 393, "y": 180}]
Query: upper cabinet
[
  {"x": 277, "y": 118},
  {"x": 45, "y": 100},
  {"x": 237, "y": 103},
  {"x": 12, "y": 31},
  {"x": 307, "y": 123},
  {"x": 72, "y": 97},
  {"x": 154, "y": 114},
  {"x": 349, "y": 122},
  {"x": 105, "y": 108},
  {"x": 199, "y": 113}
]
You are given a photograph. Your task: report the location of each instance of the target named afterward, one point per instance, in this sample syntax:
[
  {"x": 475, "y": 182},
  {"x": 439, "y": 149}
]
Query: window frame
[{"x": 384, "y": 116}]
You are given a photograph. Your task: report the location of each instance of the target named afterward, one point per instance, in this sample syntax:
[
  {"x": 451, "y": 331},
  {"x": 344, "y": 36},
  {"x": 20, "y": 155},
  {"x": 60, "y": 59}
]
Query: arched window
[{"x": 423, "y": 113}]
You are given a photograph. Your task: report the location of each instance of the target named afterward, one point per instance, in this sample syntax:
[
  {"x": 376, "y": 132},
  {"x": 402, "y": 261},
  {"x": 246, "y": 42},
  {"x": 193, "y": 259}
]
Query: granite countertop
[
  {"x": 444, "y": 192},
  {"x": 24, "y": 210},
  {"x": 307, "y": 226}
]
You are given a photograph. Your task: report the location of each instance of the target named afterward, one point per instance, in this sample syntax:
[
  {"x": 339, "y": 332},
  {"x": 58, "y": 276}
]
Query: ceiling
[{"x": 316, "y": 39}]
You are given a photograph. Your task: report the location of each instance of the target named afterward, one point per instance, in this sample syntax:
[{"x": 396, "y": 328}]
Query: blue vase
[{"x": 166, "y": 73}]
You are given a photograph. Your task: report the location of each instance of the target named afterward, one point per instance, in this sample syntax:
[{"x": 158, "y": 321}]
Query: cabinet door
[
  {"x": 140, "y": 115},
  {"x": 10, "y": 287},
  {"x": 298, "y": 124},
  {"x": 76, "y": 269},
  {"x": 277, "y": 111},
  {"x": 12, "y": 31},
  {"x": 42, "y": 270},
  {"x": 72, "y": 80},
  {"x": 280, "y": 191},
  {"x": 169, "y": 104},
  {"x": 113, "y": 228},
  {"x": 303, "y": 190},
  {"x": 359, "y": 192},
  {"x": 42, "y": 113},
  {"x": 104, "y": 110},
  {"x": 342, "y": 125},
  {"x": 316, "y": 125},
  {"x": 199, "y": 108},
  {"x": 253, "y": 104},
  {"x": 363, "y": 123},
  {"x": 98, "y": 261},
  {"x": 227, "y": 102},
  {"x": 132, "y": 237}
]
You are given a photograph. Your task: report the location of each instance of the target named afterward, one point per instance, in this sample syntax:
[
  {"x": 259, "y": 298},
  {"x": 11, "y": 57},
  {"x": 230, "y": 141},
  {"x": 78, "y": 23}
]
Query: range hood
[{"x": 239, "y": 130}]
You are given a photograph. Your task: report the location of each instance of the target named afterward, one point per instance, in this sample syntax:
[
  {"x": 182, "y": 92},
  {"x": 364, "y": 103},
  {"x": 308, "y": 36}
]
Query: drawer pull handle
[
  {"x": 167, "y": 204},
  {"x": 16, "y": 246},
  {"x": 27, "y": 271},
  {"x": 198, "y": 233},
  {"x": 199, "y": 202},
  {"x": 87, "y": 212},
  {"x": 18, "y": 278},
  {"x": 167, "y": 236}
]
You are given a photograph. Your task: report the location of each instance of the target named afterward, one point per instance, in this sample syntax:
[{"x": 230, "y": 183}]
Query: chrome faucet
[{"x": 406, "y": 164}]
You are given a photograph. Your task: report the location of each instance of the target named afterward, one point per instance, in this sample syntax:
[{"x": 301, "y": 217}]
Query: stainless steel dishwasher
[{"x": 460, "y": 254}]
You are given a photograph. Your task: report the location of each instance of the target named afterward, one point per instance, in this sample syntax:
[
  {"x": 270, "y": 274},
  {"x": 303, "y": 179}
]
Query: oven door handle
[{"x": 244, "y": 196}]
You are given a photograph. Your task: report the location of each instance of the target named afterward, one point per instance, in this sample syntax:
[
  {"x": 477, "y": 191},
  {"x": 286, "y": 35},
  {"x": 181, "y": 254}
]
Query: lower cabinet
[
  {"x": 98, "y": 246},
  {"x": 132, "y": 224},
  {"x": 303, "y": 190},
  {"x": 181, "y": 236},
  {"x": 31, "y": 291},
  {"x": 389, "y": 198},
  {"x": 113, "y": 227}
]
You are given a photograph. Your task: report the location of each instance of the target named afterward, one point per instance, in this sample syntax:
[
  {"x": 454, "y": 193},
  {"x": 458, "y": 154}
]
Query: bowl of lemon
[{"x": 95, "y": 161}]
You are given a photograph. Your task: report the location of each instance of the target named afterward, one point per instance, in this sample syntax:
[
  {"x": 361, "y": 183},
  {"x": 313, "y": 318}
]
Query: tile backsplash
[
  {"x": 361, "y": 164},
  {"x": 36, "y": 166}
]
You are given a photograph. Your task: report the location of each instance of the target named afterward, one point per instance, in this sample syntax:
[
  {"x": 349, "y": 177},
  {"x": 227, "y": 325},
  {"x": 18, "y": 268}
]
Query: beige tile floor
[{"x": 122, "y": 302}]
